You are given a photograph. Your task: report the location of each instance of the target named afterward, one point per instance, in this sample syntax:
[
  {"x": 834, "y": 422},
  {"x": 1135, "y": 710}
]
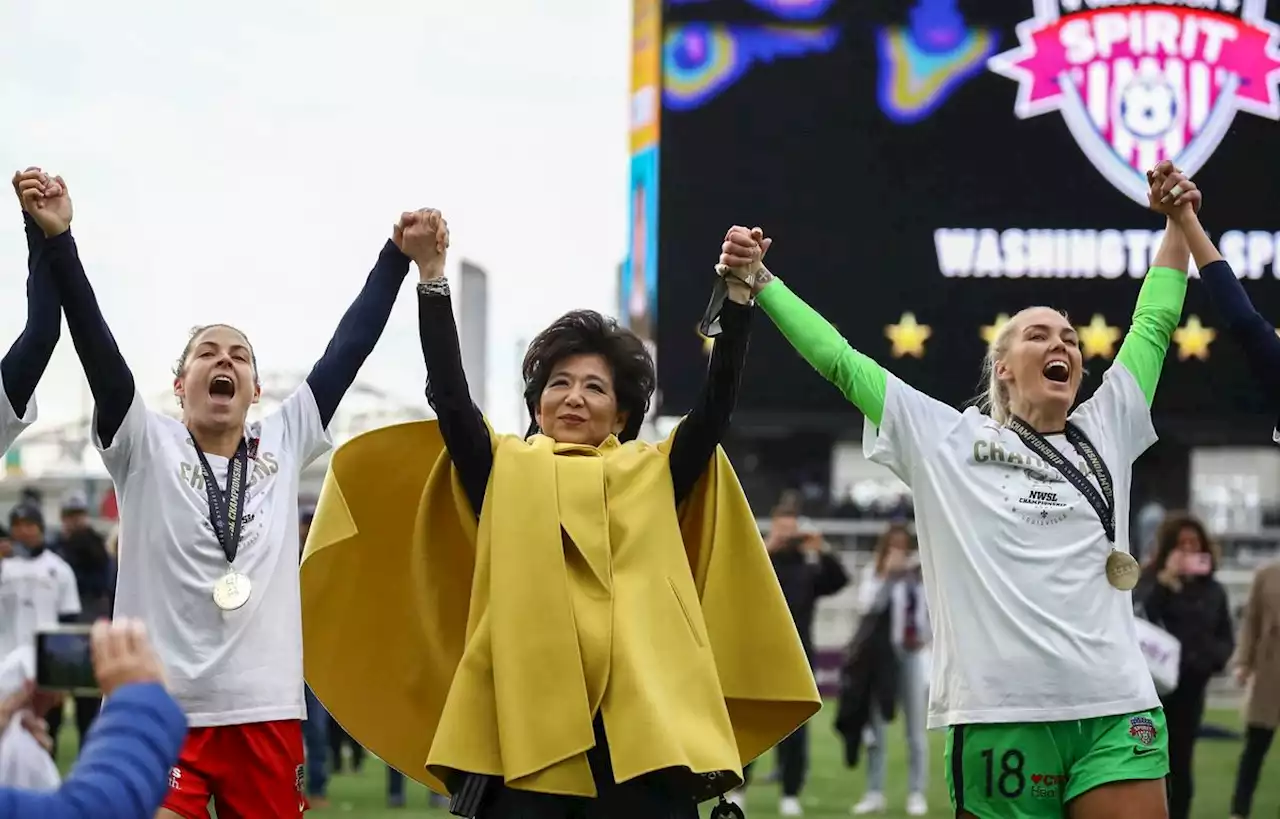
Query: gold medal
[
  {"x": 1122, "y": 570},
  {"x": 232, "y": 591}
]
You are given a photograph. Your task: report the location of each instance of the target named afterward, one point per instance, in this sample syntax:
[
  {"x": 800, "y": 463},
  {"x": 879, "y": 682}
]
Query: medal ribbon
[
  {"x": 226, "y": 507},
  {"x": 1103, "y": 503}
]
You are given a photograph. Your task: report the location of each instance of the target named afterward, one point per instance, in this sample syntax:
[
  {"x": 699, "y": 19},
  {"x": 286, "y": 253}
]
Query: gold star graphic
[
  {"x": 1097, "y": 338},
  {"x": 1193, "y": 339},
  {"x": 989, "y": 331},
  {"x": 908, "y": 337}
]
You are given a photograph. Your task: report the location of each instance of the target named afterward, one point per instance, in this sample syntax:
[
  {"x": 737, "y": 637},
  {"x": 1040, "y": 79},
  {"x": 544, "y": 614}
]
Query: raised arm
[
  {"x": 109, "y": 377},
  {"x": 705, "y": 426},
  {"x": 358, "y": 332},
  {"x": 424, "y": 236},
  {"x": 860, "y": 379},
  {"x": 25, "y": 363},
  {"x": 1255, "y": 334},
  {"x": 1251, "y": 627},
  {"x": 1159, "y": 306}
]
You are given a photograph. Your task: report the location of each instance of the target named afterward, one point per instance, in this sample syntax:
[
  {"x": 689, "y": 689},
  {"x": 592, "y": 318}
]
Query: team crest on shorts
[
  {"x": 1142, "y": 729},
  {"x": 1141, "y": 81}
]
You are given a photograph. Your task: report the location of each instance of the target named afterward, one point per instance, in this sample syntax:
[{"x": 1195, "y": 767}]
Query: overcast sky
[{"x": 243, "y": 162}]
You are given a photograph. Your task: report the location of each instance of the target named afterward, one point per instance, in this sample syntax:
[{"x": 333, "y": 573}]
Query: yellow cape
[{"x": 444, "y": 644}]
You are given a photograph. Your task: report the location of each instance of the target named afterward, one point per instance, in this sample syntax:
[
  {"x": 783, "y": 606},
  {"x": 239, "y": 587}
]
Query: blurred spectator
[
  {"x": 395, "y": 792},
  {"x": 85, "y": 551},
  {"x": 807, "y": 569},
  {"x": 37, "y": 587},
  {"x": 24, "y": 737},
  {"x": 1258, "y": 666},
  {"x": 1146, "y": 524},
  {"x": 1178, "y": 593},
  {"x": 315, "y": 729},
  {"x": 892, "y": 585}
]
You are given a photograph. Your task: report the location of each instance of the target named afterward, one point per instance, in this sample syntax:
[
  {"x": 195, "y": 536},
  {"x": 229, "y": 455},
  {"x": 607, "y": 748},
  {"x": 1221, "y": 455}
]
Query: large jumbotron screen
[{"x": 926, "y": 166}]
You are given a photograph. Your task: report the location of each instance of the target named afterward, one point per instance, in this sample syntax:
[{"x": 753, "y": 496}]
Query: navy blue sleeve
[
  {"x": 461, "y": 424},
  {"x": 24, "y": 364},
  {"x": 358, "y": 332},
  {"x": 123, "y": 769},
  {"x": 110, "y": 379},
  {"x": 1255, "y": 335},
  {"x": 705, "y": 426}
]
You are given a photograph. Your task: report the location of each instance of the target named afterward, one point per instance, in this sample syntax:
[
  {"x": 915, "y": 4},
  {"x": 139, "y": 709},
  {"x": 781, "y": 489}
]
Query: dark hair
[
  {"x": 26, "y": 511},
  {"x": 586, "y": 332},
  {"x": 790, "y": 503},
  {"x": 1167, "y": 539},
  {"x": 886, "y": 539}
]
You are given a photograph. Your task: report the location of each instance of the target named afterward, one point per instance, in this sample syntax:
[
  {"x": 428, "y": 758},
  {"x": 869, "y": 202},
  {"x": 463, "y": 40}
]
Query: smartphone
[
  {"x": 64, "y": 662},
  {"x": 1197, "y": 564}
]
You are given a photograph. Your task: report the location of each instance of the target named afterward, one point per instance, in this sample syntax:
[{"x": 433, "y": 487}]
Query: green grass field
[{"x": 833, "y": 788}]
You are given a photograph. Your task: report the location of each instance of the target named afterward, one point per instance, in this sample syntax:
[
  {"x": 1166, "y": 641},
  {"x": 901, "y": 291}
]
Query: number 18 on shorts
[{"x": 1031, "y": 770}]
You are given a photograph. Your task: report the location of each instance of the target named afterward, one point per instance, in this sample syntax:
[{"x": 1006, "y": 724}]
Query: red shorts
[{"x": 251, "y": 771}]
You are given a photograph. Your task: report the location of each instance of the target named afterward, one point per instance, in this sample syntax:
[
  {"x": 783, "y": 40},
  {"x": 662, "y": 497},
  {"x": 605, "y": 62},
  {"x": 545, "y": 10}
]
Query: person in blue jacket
[{"x": 123, "y": 770}]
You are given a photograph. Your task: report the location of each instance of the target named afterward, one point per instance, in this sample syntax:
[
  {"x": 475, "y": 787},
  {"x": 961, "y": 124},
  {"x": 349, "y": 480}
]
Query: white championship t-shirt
[
  {"x": 11, "y": 426},
  {"x": 34, "y": 593},
  {"x": 224, "y": 667},
  {"x": 1026, "y": 626}
]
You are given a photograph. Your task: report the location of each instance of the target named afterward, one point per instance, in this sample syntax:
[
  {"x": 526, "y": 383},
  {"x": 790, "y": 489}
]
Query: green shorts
[{"x": 1030, "y": 770}]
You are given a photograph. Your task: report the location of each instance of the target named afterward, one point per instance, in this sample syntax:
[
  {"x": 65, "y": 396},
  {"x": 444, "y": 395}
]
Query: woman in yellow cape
[{"x": 572, "y": 624}]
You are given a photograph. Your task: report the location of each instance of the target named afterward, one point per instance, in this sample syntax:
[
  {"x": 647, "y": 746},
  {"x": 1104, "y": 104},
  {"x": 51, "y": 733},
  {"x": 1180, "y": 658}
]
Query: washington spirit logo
[
  {"x": 1142, "y": 729},
  {"x": 1140, "y": 82}
]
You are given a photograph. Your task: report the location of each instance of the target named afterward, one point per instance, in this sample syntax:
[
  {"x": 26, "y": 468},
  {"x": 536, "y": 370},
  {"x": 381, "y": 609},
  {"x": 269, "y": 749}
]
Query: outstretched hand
[
  {"x": 423, "y": 235},
  {"x": 46, "y": 198},
  {"x": 1171, "y": 192}
]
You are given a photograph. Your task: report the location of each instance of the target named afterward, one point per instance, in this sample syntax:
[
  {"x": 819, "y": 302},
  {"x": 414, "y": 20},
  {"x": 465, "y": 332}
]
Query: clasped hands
[
  {"x": 45, "y": 198},
  {"x": 1172, "y": 193},
  {"x": 742, "y": 259},
  {"x": 423, "y": 235}
]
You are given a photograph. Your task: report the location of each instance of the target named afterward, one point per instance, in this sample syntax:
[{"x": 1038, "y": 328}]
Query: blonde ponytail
[{"x": 994, "y": 398}]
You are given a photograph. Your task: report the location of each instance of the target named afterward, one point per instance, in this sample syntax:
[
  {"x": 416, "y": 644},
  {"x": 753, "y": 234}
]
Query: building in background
[{"x": 473, "y": 328}]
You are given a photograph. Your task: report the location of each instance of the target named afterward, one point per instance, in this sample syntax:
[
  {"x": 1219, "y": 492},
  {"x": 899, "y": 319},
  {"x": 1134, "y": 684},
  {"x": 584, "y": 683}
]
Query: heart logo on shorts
[{"x": 1036, "y": 778}]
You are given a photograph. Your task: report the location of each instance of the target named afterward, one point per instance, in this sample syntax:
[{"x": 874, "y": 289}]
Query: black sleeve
[
  {"x": 702, "y": 429},
  {"x": 461, "y": 423},
  {"x": 25, "y": 363},
  {"x": 1151, "y": 595},
  {"x": 110, "y": 379},
  {"x": 832, "y": 576},
  {"x": 1224, "y": 633},
  {"x": 358, "y": 332}
]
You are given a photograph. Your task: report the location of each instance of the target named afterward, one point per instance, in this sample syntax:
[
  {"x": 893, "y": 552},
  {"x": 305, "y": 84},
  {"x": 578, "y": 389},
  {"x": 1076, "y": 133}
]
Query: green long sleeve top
[{"x": 863, "y": 381}]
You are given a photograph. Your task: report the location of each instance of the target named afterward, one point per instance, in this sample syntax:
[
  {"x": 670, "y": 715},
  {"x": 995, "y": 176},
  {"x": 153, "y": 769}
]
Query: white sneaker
[
  {"x": 916, "y": 805},
  {"x": 790, "y": 806},
  {"x": 872, "y": 802},
  {"x": 737, "y": 796}
]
